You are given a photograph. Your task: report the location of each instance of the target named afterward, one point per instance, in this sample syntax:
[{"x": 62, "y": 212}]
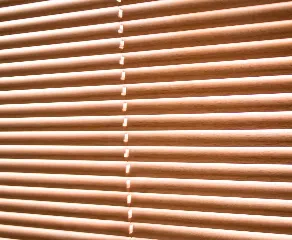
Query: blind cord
[{"x": 125, "y": 122}]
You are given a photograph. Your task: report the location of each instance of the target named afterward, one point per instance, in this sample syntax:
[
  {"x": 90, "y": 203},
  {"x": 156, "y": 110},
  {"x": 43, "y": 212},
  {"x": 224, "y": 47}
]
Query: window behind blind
[{"x": 136, "y": 119}]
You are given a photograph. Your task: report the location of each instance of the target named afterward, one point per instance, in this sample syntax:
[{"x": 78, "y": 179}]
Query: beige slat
[
  {"x": 63, "y": 123},
  {"x": 173, "y": 7},
  {"x": 62, "y": 152},
  {"x": 201, "y": 71},
  {"x": 147, "y": 10},
  {"x": 62, "y": 80},
  {"x": 85, "y": 138},
  {"x": 104, "y": 108},
  {"x": 209, "y": 121},
  {"x": 29, "y": 233},
  {"x": 224, "y": 121},
  {"x": 209, "y": 36},
  {"x": 167, "y": 232},
  {"x": 255, "y": 172},
  {"x": 211, "y": 138},
  {"x": 198, "y": 71},
  {"x": 212, "y": 104},
  {"x": 261, "y": 172},
  {"x": 248, "y": 85},
  {"x": 119, "y": 228},
  {"x": 71, "y": 34},
  {"x": 258, "y": 206},
  {"x": 239, "y": 222},
  {"x": 5, "y": 3},
  {"x": 278, "y": 155},
  {"x": 90, "y": 211},
  {"x": 245, "y": 50},
  {"x": 281, "y": 190},
  {"x": 64, "y": 195},
  {"x": 51, "y": 7},
  {"x": 108, "y": 61},
  {"x": 213, "y": 18},
  {"x": 81, "y": 18},
  {"x": 98, "y": 167},
  {"x": 161, "y": 25},
  {"x": 260, "y": 189},
  {"x": 226, "y": 52},
  {"x": 64, "y": 181},
  {"x": 93, "y": 47},
  {"x": 9, "y": 239},
  {"x": 190, "y": 154}
]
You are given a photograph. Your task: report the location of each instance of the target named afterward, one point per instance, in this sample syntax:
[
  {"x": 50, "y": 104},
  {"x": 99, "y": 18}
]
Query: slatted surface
[{"x": 143, "y": 119}]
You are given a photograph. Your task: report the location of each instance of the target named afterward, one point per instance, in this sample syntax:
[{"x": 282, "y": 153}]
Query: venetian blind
[{"x": 146, "y": 120}]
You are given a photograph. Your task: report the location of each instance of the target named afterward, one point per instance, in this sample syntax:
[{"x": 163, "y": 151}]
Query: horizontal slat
[
  {"x": 240, "y": 103},
  {"x": 87, "y": 17},
  {"x": 278, "y": 155},
  {"x": 253, "y": 67},
  {"x": 166, "y": 232},
  {"x": 64, "y": 195},
  {"x": 145, "y": 10},
  {"x": 187, "y": 55},
  {"x": 98, "y": 138},
  {"x": 9, "y": 239},
  {"x": 256, "y": 172},
  {"x": 262, "y": 172},
  {"x": 153, "y": 153},
  {"x": 268, "y": 207},
  {"x": 65, "y": 223},
  {"x": 64, "y": 181},
  {"x": 170, "y": 24},
  {"x": 65, "y": 94},
  {"x": 29, "y": 233},
  {"x": 110, "y": 61},
  {"x": 64, "y": 123},
  {"x": 248, "y": 120},
  {"x": 173, "y": 7},
  {"x": 186, "y": 218},
  {"x": 212, "y": 138},
  {"x": 104, "y": 108},
  {"x": 212, "y": 104},
  {"x": 198, "y": 71},
  {"x": 239, "y": 222},
  {"x": 211, "y": 87},
  {"x": 210, "y": 36},
  {"x": 93, "y": 47},
  {"x": 249, "y": 85},
  {"x": 51, "y": 7},
  {"x": 225, "y": 52},
  {"x": 111, "y": 168},
  {"x": 5, "y": 3},
  {"x": 62, "y": 152},
  {"x": 210, "y": 19},
  {"x": 259, "y": 206},
  {"x": 231, "y": 188},
  {"x": 224, "y": 121},
  {"x": 72, "y": 34},
  {"x": 90, "y": 211},
  {"x": 62, "y": 80},
  {"x": 280, "y": 190}
]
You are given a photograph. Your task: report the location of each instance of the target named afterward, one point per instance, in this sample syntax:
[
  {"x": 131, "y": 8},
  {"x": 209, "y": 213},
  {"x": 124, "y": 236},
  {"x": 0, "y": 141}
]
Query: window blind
[{"x": 146, "y": 120}]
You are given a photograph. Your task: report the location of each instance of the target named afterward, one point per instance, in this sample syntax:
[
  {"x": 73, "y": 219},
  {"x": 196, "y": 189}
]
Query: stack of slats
[{"x": 146, "y": 120}]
